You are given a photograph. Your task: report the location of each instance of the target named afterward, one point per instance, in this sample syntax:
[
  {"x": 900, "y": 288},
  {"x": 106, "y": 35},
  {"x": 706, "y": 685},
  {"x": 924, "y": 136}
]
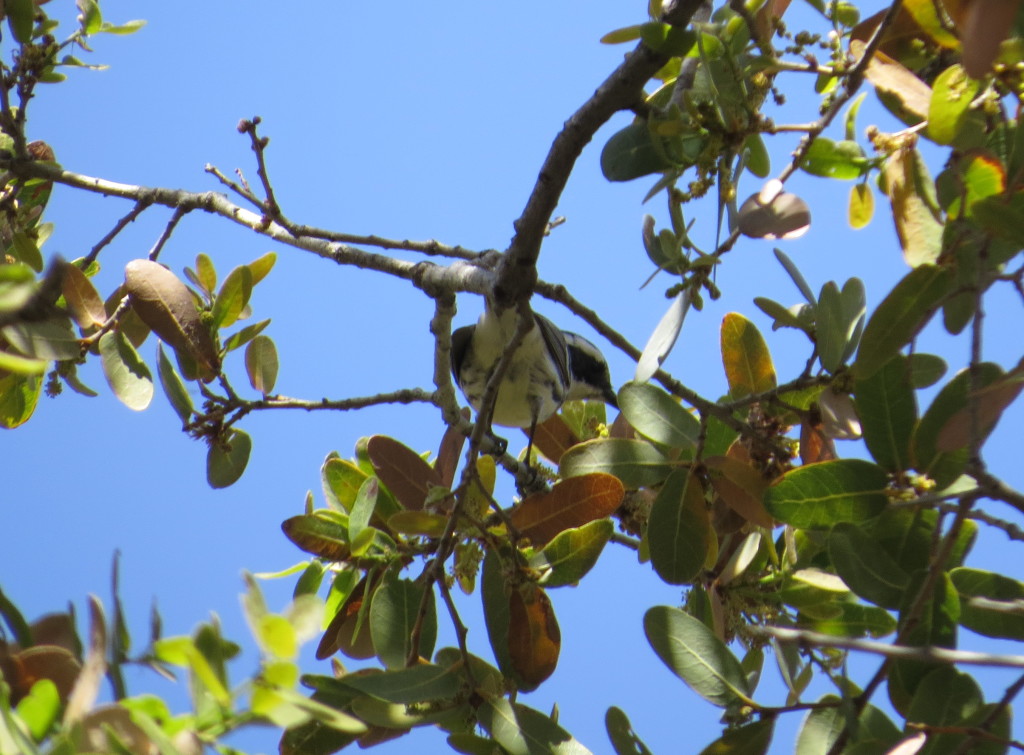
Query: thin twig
[
  {"x": 140, "y": 206},
  {"x": 179, "y": 213}
]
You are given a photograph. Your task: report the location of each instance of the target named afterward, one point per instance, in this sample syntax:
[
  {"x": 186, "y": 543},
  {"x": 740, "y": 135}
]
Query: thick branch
[{"x": 622, "y": 90}]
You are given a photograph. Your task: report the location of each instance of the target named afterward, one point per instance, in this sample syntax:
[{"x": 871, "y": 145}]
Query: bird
[{"x": 550, "y": 366}]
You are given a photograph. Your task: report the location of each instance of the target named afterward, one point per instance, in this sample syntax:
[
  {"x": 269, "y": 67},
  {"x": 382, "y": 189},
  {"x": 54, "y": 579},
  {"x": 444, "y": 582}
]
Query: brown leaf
[
  {"x": 571, "y": 503},
  {"x": 83, "y": 300},
  {"x": 112, "y": 723},
  {"x": 87, "y": 685},
  {"x": 43, "y": 662},
  {"x": 774, "y": 214},
  {"x": 57, "y": 629},
  {"x": 989, "y": 405},
  {"x": 318, "y": 535},
  {"x": 986, "y": 24},
  {"x": 166, "y": 305},
  {"x": 815, "y": 445},
  {"x": 534, "y": 639},
  {"x": 340, "y": 634},
  {"x": 553, "y": 437},
  {"x": 403, "y": 471},
  {"x": 741, "y": 486},
  {"x": 449, "y": 452}
]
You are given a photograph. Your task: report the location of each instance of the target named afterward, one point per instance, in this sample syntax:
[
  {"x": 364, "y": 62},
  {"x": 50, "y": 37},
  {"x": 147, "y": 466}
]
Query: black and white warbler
[{"x": 550, "y": 367}]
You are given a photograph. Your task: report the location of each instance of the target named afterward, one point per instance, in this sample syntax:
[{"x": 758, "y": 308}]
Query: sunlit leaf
[
  {"x": 233, "y": 297},
  {"x": 663, "y": 339},
  {"x": 952, "y": 93},
  {"x": 636, "y": 463},
  {"x": 524, "y": 731},
  {"x": 829, "y": 159},
  {"x": 862, "y": 206},
  {"x": 319, "y": 535},
  {"x": 19, "y": 395},
  {"x": 821, "y": 728},
  {"x": 824, "y": 494},
  {"x": 126, "y": 373},
  {"x": 748, "y": 364},
  {"x": 83, "y": 300},
  {"x": 573, "y": 502},
  {"x": 914, "y": 207},
  {"x": 261, "y": 364},
  {"x": 572, "y": 553},
  {"x": 45, "y": 339}
]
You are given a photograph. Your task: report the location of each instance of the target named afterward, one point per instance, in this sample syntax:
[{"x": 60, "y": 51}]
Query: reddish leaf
[
  {"x": 895, "y": 80},
  {"x": 741, "y": 486},
  {"x": 57, "y": 629},
  {"x": 403, "y": 471},
  {"x": 989, "y": 405},
  {"x": 748, "y": 363},
  {"x": 985, "y": 26},
  {"x": 553, "y": 437},
  {"x": 534, "y": 639},
  {"x": 449, "y": 452},
  {"x": 571, "y": 503},
  {"x": 815, "y": 446},
  {"x": 911, "y": 194}
]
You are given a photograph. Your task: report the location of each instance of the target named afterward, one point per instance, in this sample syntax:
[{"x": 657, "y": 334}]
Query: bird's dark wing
[
  {"x": 460, "y": 344},
  {"x": 555, "y": 342}
]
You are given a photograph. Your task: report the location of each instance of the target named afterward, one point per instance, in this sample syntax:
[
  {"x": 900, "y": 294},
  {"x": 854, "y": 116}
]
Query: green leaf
[
  {"x": 748, "y": 364},
  {"x": 19, "y": 395},
  {"x": 262, "y": 266},
  {"x": 394, "y": 614},
  {"x": 785, "y": 317},
  {"x": 833, "y": 329},
  {"x": 362, "y": 508},
  {"x": 126, "y": 373},
  {"x": 417, "y": 684},
  {"x": 936, "y": 626},
  {"x": 525, "y": 731},
  {"x": 850, "y": 620},
  {"x": 22, "y": 365},
  {"x": 276, "y": 636},
  {"x": 668, "y": 40},
  {"x": 625, "y": 34},
  {"x": 261, "y": 364},
  {"x": 694, "y": 654},
  {"x": 821, "y": 728},
  {"x": 173, "y": 386},
  {"x": 47, "y": 339},
  {"x": 757, "y": 159},
  {"x": 926, "y": 369},
  {"x": 911, "y": 191},
  {"x": 945, "y": 467},
  {"x": 656, "y": 415},
  {"x": 900, "y": 316},
  {"x": 679, "y": 534},
  {"x": 494, "y": 593},
  {"x": 829, "y": 159},
  {"x": 573, "y": 553},
  {"x": 817, "y": 496},
  {"x": 227, "y": 458},
  {"x": 796, "y": 277},
  {"x": 631, "y": 153},
  {"x": 990, "y": 604},
  {"x": 636, "y": 463},
  {"x": 865, "y": 566},
  {"x": 946, "y": 697},
  {"x": 21, "y": 17},
  {"x": 750, "y": 739},
  {"x": 888, "y": 412},
  {"x": 90, "y": 17},
  {"x": 128, "y": 27},
  {"x": 245, "y": 335},
  {"x": 39, "y": 708},
  {"x": 206, "y": 274},
  {"x": 233, "y": 297},
  {"x": 624, "y": 739},
  {"x": 952, "y": 94}
]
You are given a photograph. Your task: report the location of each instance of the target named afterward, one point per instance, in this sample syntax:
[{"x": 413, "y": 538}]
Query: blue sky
[{"x": 410, "y": 120}]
